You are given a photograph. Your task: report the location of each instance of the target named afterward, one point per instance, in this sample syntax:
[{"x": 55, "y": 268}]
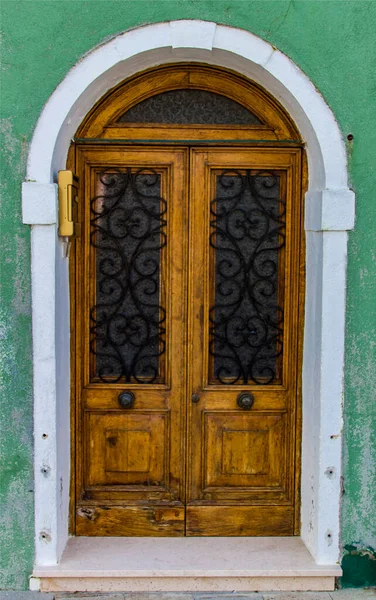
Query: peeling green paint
[
  {"x": 334, "y": 43},
  {"x": 16, "y": 452},
  {"x": 359, "y": 567}
]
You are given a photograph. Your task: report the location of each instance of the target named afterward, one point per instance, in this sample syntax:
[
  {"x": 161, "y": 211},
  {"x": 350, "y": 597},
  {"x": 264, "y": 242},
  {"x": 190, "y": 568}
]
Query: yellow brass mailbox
[{"x": 68, "y": 191}]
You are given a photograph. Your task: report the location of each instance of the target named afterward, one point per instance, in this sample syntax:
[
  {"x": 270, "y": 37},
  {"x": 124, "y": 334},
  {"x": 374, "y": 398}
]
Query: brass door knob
[
  {"x": 245, "y": 401},
  {"x": 126, "y": 399}
]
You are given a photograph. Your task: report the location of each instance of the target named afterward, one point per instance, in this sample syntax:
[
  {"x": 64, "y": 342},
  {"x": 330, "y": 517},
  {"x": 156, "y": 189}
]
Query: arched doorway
[
  {"x": 329, "y": 205},
  {"x": 187, "y": 309}
]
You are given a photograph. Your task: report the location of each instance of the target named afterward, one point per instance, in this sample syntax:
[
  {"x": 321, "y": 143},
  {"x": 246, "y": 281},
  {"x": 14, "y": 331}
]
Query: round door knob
[
  {"x": 245, "y": 401},
  {"x": 126, "y": 399}
]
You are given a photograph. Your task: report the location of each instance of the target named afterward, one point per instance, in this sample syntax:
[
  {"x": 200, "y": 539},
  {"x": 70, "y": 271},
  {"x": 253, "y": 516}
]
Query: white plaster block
[
  {"x": 192, "y": 34},
  {"x": 311, "y": 392},
  {"x": 338, "y": 210},
  {"x": 43, "y": 244},
  {"x": 140, "y": 40},
  {"x": 243, "y": 43},
  {"x": 84, "y": 71},
  {"x": 330, "y": 210},
  {"x": 331, "y": 393},
  {"x": 39, "y": 203},
  {"x": 322, "y": 393},
  {"x": 34, "y": 584}
]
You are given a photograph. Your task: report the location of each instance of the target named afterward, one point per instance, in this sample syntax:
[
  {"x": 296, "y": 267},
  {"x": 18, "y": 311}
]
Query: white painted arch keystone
[{"x": 330, "y": 210}]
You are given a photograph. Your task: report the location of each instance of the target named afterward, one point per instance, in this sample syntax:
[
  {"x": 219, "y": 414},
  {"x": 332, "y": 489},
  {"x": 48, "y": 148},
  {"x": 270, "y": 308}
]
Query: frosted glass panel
[{"x": 188, "y": 107}]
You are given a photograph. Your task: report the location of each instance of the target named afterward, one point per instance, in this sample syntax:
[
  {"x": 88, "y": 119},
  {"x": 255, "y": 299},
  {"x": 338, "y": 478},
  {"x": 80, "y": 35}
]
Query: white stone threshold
[{"x": 185, "y": 564}]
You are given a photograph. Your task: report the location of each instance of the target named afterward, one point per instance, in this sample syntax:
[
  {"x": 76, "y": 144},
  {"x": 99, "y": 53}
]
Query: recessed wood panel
[
  {"x": 131, "y": 521},
  {"x": 239, "y": 520},
  {"x": 243, "y": 450},
  {"x": 127, "y": 449}
]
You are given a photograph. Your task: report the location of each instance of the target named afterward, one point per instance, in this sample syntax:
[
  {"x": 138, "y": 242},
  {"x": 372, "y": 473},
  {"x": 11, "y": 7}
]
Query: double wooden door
[{"x": 185, "y": 279}]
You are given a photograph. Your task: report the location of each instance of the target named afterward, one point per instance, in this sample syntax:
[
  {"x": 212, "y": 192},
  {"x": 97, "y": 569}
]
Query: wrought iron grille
[
  {"x": 128, "y": 222},
  {"x": 246, "y": 318}
]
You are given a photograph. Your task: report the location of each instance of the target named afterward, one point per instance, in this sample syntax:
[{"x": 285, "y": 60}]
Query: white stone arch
[{"x": 329, "y": 214}]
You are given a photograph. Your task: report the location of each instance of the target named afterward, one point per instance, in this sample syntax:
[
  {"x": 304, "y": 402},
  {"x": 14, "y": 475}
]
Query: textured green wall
[{"x": 335, "y": 44}]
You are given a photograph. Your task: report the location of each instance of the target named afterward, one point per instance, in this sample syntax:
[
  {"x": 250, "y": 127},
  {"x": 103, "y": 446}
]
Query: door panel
[
  {"x": 128, "y": 449},
  {"x": 130, "y": 338},
  {"x": 244, "y": 299},
  {"x": 243, "y": 451},
  {"x": 126, "y": 520},
  {"x": 244, "y": 521},
  {"x": 186, "y": 282}
]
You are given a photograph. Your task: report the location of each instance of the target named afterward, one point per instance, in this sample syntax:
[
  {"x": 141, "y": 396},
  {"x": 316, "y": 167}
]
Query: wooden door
[
  {"x": 129, "y": 327},
  {"x": 185, "y": 324},
  {"x": 243, "y": 341}
]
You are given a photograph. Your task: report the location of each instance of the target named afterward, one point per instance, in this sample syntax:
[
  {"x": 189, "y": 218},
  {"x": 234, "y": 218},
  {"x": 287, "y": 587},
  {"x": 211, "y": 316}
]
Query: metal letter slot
[{"x": 68, "y": 190}]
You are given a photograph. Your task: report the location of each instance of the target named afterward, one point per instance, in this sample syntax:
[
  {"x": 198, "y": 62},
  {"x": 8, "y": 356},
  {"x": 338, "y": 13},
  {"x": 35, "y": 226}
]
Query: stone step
[
  {"x": 346, "y": 594},
  {"x": 196, "y": 565}
]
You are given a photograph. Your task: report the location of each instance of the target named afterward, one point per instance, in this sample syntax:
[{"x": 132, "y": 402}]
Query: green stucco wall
[{"x": 334, "y": 42}]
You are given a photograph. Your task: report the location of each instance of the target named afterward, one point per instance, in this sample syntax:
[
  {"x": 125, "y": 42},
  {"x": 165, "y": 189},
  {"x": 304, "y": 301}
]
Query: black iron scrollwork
[
  {"x": 246, "y": 320},
  {"x": 128, "y": 222}
]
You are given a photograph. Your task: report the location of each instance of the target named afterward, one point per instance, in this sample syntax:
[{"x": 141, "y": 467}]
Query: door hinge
[{"x": 68, "y": 194}]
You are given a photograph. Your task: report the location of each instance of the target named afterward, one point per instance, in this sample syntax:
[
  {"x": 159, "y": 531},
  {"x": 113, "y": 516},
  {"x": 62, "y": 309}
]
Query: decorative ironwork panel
[
  {"x": 190, "y": 107},
  {"x": 246, "y": 316},
  {"x": 128, "y": 232}
]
